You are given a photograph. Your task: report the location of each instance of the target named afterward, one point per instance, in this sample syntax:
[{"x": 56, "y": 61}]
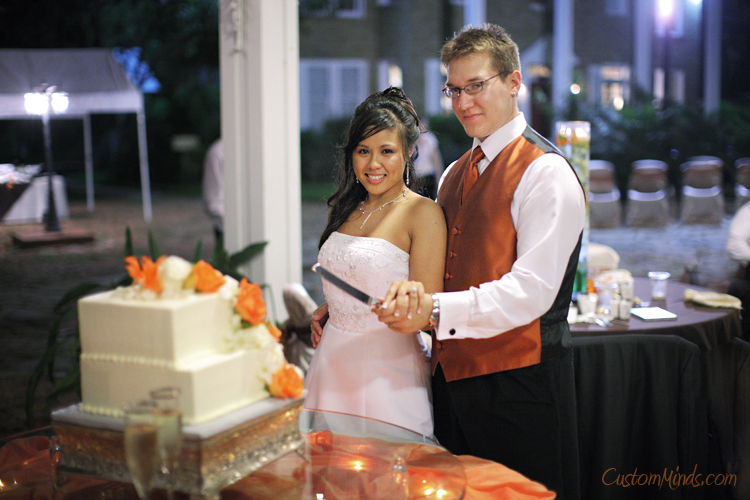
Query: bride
[{"x": 378, "y": 231}]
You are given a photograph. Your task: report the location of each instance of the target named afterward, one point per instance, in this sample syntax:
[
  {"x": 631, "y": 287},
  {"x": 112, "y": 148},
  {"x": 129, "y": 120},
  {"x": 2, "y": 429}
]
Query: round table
[{"x": 706, "y": 327}]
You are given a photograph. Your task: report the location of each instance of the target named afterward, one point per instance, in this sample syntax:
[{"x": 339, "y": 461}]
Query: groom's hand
[{"x": 406, "y": 308}]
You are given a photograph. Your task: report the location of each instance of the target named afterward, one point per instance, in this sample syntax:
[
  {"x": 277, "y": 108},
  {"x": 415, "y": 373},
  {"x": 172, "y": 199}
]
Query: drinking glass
[
  {"x": 141, "y": 451},
  {"x": 658, "y": 284},
  {"x": 169, "y": 432}
]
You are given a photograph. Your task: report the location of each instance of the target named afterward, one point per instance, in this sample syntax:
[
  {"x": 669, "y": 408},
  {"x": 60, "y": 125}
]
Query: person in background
[
  {"x": 738, "y": 246},
  {"x": 502, "y": 362},
  {"x": 378, "y": 231},
  {"x": 213, "y": 187},
  {"x": 429, "y": 163}
]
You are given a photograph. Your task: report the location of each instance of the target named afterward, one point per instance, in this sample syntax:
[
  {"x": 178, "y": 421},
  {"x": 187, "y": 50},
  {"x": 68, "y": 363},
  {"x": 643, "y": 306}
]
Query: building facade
[{"x": 620, "y": 49}]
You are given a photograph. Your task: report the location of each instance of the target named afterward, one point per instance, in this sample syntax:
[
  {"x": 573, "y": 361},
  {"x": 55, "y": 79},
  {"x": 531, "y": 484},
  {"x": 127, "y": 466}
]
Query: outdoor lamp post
[{"x": 39, "y": 102}]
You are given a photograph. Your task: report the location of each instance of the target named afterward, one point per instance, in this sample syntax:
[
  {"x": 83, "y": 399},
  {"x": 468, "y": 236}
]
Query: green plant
[{"x": 64, "y": 340}]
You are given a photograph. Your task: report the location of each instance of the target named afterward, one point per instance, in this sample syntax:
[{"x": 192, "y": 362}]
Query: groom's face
[{"x": 486, "y": 111}]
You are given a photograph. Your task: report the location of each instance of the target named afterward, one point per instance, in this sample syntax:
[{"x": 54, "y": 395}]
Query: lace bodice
[{"x": 369, "y": 264}]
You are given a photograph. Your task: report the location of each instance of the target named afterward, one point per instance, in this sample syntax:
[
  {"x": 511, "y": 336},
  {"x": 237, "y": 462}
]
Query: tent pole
[
  {"x": 88, "y": 162},
  {"x": 145, "y": 183}
]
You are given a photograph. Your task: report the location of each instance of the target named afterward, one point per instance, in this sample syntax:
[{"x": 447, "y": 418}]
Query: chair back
[
  {"x": 601, "y": 176},
  {"x": 700, "y": 174},
  {"x": 648, "y": 176}
]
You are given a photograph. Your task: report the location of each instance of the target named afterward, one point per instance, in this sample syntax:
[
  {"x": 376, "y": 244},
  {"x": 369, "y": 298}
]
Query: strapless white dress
[{"x": 360, "y": 366}]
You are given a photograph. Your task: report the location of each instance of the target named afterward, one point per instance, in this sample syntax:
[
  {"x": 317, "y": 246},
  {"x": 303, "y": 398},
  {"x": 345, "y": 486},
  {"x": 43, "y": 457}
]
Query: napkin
[{"x": 712, "y": 299}]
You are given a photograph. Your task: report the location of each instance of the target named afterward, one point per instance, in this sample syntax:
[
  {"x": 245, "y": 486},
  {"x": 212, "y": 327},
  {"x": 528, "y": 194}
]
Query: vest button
[
  {"x": 455, "y": 231},
  {"x": 452, "y": 331},
  {"x": 453, "y": 254},
  {"x": 448, "y": 276}
]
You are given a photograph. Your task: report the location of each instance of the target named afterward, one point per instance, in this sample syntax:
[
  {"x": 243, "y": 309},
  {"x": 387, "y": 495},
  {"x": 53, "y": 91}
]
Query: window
[
  {"x": 353, "y": 9},
  {"x": 613, "y": 84},
  {"x": 616, "y": 8},
  {"x": 330, "y": 88}
]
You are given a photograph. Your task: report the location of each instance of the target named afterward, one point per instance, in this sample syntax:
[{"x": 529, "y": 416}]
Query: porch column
[
  {"x": 562, "y": 54},
  {"x": 259, "y": 53}
]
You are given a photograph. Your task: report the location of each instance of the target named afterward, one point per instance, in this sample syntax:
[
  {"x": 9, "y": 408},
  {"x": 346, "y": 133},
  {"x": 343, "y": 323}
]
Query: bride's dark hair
[{"x": 380, "y": 111}]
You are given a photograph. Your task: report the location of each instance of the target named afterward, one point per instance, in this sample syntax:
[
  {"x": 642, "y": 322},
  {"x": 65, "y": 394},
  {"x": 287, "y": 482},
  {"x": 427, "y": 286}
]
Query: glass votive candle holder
[
  {"x": 606, "y": 291},
  {"x": 658, "y": 284}
]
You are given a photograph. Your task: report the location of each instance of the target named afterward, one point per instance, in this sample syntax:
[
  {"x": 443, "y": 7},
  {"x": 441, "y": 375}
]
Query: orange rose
[
  {"x": 134, "y": 268},
  {"x": 273, "y": 330},
  {"x": 250, "y": 304},
  {"x": 150, "y": 276},
  {"x": 286, "y": 383},
  {"x": 207, "y": 279}
]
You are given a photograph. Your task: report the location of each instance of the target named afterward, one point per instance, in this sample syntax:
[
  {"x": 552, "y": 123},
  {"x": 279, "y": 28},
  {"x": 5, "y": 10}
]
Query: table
[
  {"x": 704, "y": 326},
  {"x": 653, "y": 396},
  {"x": 335, "y": 464},
  {"x": 32, "y": 203}
]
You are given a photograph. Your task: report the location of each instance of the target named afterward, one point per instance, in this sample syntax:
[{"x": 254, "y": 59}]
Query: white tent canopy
[{"x": 95, "y": 83}]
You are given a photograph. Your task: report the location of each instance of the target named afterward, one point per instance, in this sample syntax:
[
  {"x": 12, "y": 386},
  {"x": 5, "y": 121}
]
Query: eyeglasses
[{"x": 471, "y": 89}]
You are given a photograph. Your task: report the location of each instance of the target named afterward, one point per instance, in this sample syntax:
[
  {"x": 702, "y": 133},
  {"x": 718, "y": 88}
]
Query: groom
[{"x": 503, "y": 386}]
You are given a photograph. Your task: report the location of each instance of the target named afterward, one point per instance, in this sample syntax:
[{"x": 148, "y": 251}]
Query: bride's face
[{"x": 379, "y": 163}]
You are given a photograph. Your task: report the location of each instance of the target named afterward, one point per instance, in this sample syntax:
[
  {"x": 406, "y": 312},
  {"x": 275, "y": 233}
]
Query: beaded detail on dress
[{"x": 369, "y": 264}]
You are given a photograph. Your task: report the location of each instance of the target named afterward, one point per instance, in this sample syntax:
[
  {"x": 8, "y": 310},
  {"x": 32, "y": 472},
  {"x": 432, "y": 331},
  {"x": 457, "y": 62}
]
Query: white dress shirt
[{"x": 548, "y": 211}]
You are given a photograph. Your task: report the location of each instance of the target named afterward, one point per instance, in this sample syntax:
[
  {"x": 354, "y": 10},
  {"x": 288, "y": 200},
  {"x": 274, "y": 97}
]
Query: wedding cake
[{"x": 186, "y": 326}]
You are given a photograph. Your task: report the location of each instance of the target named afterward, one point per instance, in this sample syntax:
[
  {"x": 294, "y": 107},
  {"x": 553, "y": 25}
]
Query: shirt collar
[{"x": 500, "y": 138}]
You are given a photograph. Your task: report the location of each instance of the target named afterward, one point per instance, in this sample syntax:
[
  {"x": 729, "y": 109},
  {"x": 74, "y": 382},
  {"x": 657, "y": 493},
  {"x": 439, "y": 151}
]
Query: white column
[
  {"x": 259, "y": 53},
  {"x": 562, "y": 53},
  {"x": 712, "y": 56},
  {"x": 475, "y": 12},
  {"x": 643, "y": 34}
]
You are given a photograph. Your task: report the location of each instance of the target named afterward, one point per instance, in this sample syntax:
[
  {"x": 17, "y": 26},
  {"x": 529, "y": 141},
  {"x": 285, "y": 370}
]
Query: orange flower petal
[
  {"x": 134, "y": 268},
  {"x": 250, "y": 305},
  {"x": 150, "y": 276},
  {"x": 207, "y": 279},
  {"x": 274, "y": 330},
  {"x": 286, "y": 383}
]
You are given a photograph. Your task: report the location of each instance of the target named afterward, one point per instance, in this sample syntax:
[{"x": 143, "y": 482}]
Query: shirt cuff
[{"x": 455, "y": 312}]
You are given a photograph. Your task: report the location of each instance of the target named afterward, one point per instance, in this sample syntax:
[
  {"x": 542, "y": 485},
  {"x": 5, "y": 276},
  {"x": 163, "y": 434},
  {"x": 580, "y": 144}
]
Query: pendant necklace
[{"x": 369, "y": 213}]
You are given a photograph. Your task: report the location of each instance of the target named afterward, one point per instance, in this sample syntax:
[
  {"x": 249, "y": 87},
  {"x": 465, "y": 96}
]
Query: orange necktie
[{"x": 472, "y": 171}]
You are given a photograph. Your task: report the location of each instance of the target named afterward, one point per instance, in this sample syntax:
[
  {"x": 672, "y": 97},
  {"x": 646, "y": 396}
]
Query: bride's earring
[{"x": 407, "y": 175}]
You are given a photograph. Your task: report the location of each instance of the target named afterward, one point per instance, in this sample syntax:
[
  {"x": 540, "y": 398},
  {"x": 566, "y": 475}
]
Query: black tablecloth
[
  {"x": 642, "y": 409},
  {"x": 658, "y": 395}
]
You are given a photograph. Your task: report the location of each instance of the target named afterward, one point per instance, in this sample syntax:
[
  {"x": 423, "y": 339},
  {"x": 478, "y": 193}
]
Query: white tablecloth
[{"x": 32, "y": 204}]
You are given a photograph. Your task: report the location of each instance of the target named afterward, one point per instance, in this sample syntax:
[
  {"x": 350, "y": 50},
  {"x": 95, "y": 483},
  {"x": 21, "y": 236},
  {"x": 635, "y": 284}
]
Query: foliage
[
  {"x": 318, "y": 153},
  {"x": 672, "y": 134},
  {"x": 65, "y": 341}
]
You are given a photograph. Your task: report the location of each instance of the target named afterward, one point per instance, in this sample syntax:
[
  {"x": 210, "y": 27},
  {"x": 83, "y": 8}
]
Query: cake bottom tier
[
  {"x": 213, "y": 386},
  {"x": 214, "y": 454}
]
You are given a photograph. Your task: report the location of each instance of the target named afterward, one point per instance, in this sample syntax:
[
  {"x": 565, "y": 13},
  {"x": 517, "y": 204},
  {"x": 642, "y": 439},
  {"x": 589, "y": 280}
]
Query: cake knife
[{"x": 343, "y": 285}]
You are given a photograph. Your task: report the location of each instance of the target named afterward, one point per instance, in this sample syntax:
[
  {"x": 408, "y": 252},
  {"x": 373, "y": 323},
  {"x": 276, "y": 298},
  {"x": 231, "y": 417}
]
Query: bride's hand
[{"x": 406, "y": 307}]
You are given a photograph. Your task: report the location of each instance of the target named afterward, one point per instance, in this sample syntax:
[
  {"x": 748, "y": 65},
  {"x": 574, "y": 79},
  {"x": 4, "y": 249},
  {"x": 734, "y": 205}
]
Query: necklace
[{"x": 370, "y": 212}]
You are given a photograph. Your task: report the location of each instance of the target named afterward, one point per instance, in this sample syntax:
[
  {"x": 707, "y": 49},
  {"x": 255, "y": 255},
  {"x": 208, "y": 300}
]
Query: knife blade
[{"x": 343, "y": 285}]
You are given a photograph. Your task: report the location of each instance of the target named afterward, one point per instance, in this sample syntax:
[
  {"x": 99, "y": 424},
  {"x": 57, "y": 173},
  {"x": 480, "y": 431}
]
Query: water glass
[
  {"x": 658, "y": 284},
  {"x": 169, "y": 432},
  {"x": 141, "y": 450}
]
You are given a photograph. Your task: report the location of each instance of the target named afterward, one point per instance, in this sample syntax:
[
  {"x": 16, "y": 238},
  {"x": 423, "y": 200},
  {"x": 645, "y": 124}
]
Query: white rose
[
  {"x": 229, "y": 289},
  {"x": 173, "y": 271}
]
